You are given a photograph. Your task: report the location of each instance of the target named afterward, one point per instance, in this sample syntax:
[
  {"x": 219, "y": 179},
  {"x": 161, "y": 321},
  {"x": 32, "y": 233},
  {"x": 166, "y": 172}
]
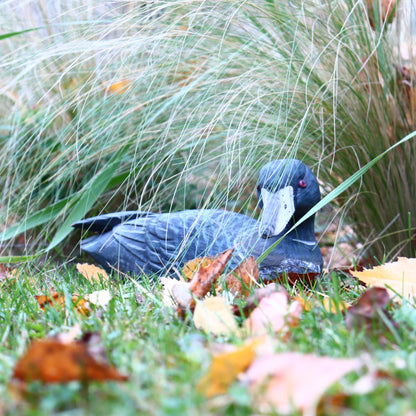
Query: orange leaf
[
  {"x": 81, "y": 305},
  {"x": 192, "y": 266},
  {"x": 207, "y": 276},
  {"x": 92, "y": 273},
  {"x": 55, "y": 300},
  {"x": 225, "y": 368},
  {"x": 241, "y": 279},
  {"x": 52, "y": 361}
]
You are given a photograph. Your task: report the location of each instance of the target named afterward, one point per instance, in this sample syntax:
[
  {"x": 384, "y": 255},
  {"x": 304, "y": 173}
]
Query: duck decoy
[{"x": 144, "y": 242}]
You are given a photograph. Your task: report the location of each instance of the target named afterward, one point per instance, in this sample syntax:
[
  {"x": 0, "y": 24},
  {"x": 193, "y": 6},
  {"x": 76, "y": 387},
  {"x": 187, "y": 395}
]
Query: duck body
[{"x": 143, "y": 242}]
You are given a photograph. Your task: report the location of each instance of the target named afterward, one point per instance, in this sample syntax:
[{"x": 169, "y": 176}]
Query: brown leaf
[
  {"x": 225, "y": 368},
  {"x": 206, "y": 277},
  {"x": 370, "y": 311},
  {"x": 274, "y": 312},
  {"x": 51, "y": 361},
  {"x": 240, "y": 280},
  {"x": 214, "y": 315},
  {"x": 290, "y": 382},
  {"x": 192, "y": 266},
  {"x": 93, "y": 273}
]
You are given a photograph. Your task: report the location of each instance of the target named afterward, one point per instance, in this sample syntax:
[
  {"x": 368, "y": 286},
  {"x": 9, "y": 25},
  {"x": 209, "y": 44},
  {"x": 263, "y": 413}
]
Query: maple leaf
[
  {"x": 399, "y": 277},
  {"x": 214, "y": 315},
  {"x": 51, "y": 360},
  {"x": 291, "y": 381}
]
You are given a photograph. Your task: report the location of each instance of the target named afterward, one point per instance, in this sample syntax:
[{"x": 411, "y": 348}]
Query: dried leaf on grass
[
  {"x": 206, "y": 277},
  {"x": 400, "y": 276},
  {"x": 214, "y": 315},
  {"x": 50, "y": 360},
  {"x": 290, "y": 382},
  {"x": 225, "y": 368},
  {"x": 254, "y": 299},
  {"x": 240, "y": 280},
  {"x": 82, "y": 304},
  {"x": 182, "y": 294},
  {"x": 99, "y": 298},
  {"x": 192, "y": 266},
  {"x": 274, "y": 312},
  {"x": 369, "y": 313},
  {"x": 54, "y": 300},
  {"x": 92, "y": 273}
]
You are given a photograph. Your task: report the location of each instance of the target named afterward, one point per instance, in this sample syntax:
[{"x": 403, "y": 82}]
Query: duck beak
[{"x": 278, "y": 209}]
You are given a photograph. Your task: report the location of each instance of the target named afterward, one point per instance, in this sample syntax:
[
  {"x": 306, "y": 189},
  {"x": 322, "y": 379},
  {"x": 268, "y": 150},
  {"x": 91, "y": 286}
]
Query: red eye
[{"x": 302, "y": 183}]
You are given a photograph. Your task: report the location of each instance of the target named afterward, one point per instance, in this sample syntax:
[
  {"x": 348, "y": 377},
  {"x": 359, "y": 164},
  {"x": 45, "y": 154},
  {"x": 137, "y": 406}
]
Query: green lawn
[{"x": 165, "y": 357}]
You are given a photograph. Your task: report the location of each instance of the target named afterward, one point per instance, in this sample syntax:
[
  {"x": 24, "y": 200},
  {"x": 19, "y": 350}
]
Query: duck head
[{"x": 286, "y": 190}]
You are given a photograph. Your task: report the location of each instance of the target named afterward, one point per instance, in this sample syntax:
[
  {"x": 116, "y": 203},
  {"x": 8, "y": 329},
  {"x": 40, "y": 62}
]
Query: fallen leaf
[
  {"x": 214, "y": 315},
  {"x": 99, "y": 298},
  {"x": 81, "y": 305},
  {"x": 254, "y": 299},
  {"x": 400, "y": 276},
  {"x": 370, "y": 313},
  {"x": 240, "y": 280},
  {"x": 206, "y": 277},
  {"x": 291, "y": 381},
  {"x": 54, "y": 300},
  {"x": 192, "y": 266},
  {"x": 225, "y": 368},
  {"x": 53, "y": 361},
  {"x": 93, "y": 273},
  {"x": 274, "y": 312}
]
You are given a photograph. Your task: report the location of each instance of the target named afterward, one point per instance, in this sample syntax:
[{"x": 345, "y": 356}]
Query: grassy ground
[{"x": 165, "y": 357}]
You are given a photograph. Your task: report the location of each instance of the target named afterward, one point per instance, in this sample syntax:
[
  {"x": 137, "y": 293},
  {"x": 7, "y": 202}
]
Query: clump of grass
[{"x": 177, "y": 105}]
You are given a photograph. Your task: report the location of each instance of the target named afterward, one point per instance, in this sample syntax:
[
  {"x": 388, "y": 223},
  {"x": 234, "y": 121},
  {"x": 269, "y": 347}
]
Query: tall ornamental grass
[{"x": 172, "y": 105}]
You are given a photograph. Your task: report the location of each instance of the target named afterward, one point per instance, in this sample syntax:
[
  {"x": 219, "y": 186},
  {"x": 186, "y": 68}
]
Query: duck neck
[{"x": 304, "y": 231}]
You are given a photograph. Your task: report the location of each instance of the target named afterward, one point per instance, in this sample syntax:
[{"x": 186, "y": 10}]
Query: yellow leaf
[
  {"x": 399, "y": 275},
  {"x": 214, "y": 315},
  {"x": 225, "y": 368},
  {"x": 118, "y": 87},
  {"x": 92, "y": 273}
]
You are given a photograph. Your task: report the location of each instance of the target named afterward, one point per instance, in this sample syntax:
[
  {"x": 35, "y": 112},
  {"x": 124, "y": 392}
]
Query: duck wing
[
  {"x": 162, "y": 242},
  {"x": 106, "y": 222}
]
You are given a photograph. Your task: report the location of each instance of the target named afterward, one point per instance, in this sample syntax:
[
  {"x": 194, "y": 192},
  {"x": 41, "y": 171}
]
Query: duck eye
[{"x": 302, "y": 183}]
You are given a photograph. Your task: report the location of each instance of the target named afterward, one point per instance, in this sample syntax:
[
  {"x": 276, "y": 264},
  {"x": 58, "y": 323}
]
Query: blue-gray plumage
[{"x": 144, "y": 242}]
